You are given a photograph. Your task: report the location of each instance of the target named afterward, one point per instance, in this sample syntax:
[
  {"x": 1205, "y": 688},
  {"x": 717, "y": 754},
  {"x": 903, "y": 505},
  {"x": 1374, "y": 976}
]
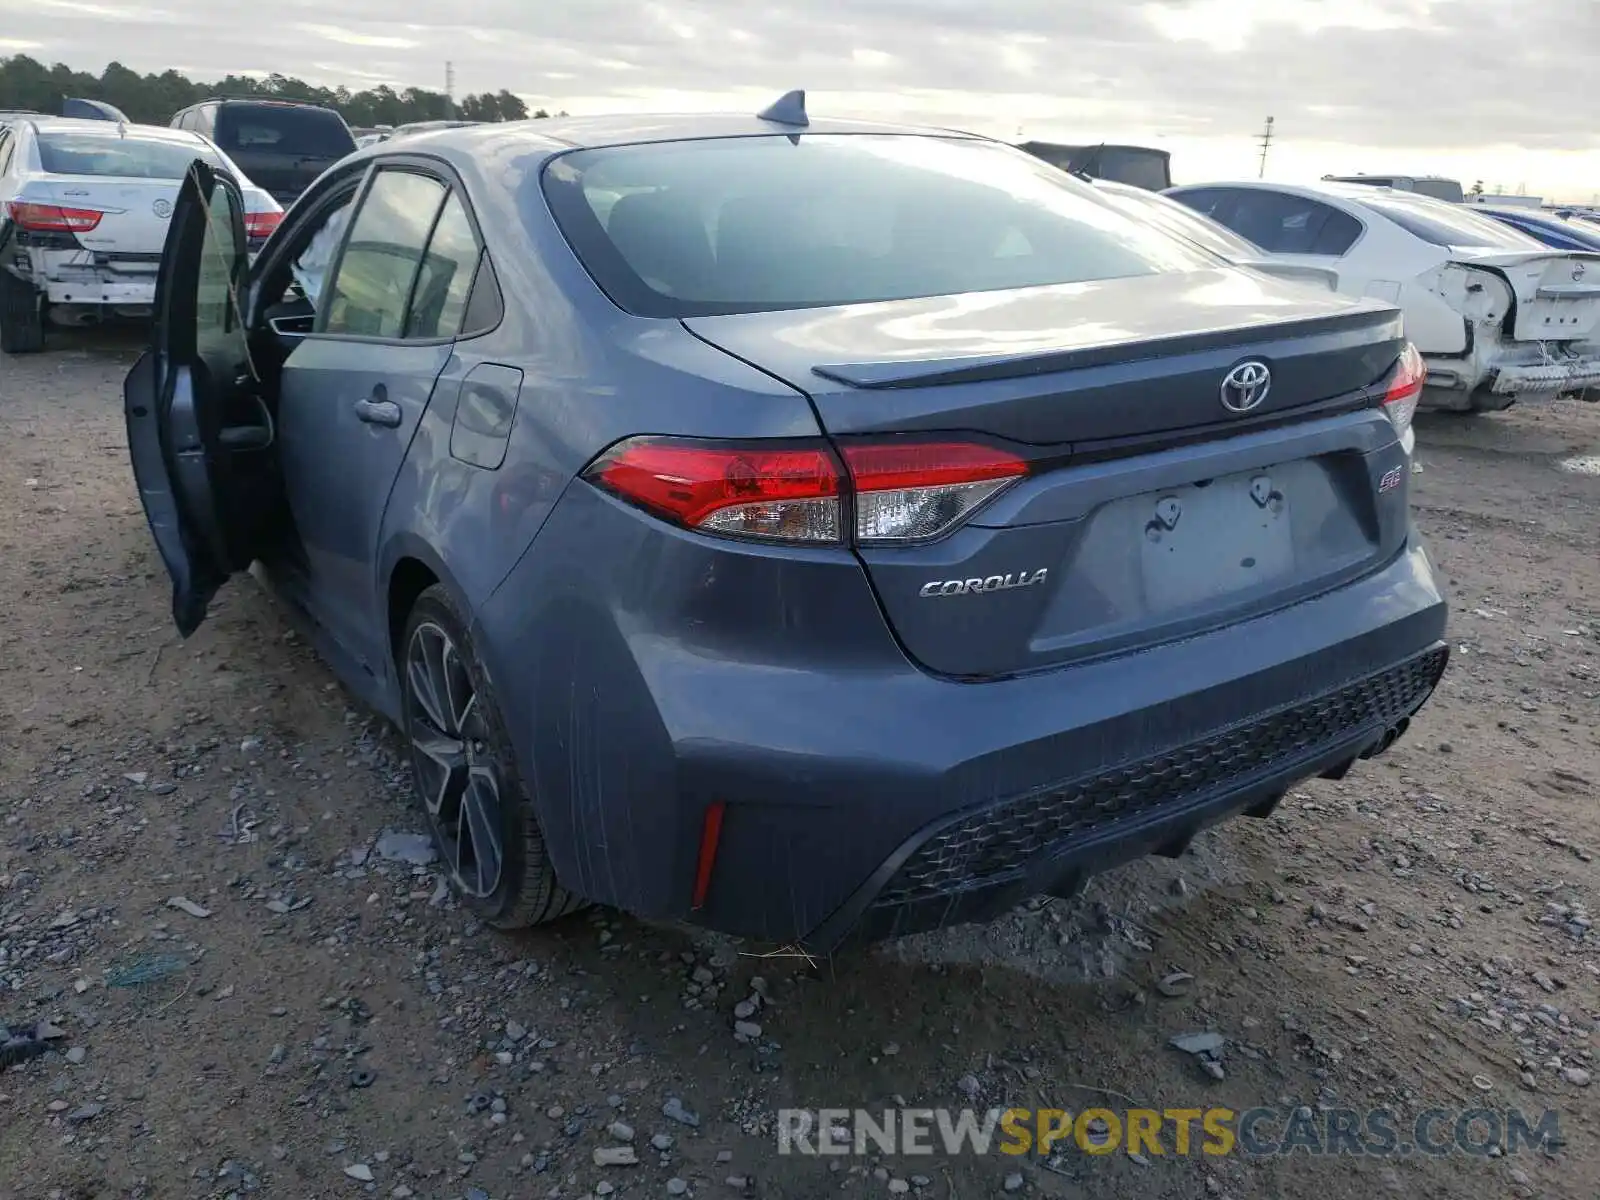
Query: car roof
[
  {"x": 586, "y": 133},
  {"x": 263, "y": 101},
  {"x": 1324, "y": 189},
  {"x": 1391, "y": 175},
  {"x": 152, "y": 133},
  {"x": 1517, "y": 210}
]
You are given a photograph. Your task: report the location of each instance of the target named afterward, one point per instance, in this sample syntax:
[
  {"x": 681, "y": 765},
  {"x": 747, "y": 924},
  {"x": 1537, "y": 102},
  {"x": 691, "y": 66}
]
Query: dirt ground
[{"x": 317, "y": 1020}]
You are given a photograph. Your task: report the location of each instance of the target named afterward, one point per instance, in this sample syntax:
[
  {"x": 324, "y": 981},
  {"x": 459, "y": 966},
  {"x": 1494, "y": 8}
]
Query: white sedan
[
  {"x": 84, "y": 207},
  {"x": 1498, "y": 316},
  {"x": 1183, "y": 222}
]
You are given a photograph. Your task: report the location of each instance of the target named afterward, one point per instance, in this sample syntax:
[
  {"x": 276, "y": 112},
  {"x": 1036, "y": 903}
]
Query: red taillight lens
[
  {"x": 905, "y": 491},
  {"x": 1405, "y": 388},
  {"x": 261, "y": 224},
  {"x": 774, "y": 492},
  {"x": 911, "y": 491},
  {"x": 52, "y": 218}
]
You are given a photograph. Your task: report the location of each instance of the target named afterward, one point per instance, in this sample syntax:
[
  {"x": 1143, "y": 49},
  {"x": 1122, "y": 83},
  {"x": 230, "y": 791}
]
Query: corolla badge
[
  {"x": 1246, "y": 386},
  {"x": 992, "y": 583},
  {"x": 162, "y": 208}
]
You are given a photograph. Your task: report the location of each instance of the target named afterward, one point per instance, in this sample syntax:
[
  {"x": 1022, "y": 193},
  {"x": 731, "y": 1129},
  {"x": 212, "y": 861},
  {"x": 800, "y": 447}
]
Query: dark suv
[{"x": 281, "y": 145}]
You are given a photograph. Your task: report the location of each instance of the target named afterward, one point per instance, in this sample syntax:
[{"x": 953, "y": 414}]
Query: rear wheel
[
  {"x": 21, "y": 319},
  {"x": 478, "y": 808}
]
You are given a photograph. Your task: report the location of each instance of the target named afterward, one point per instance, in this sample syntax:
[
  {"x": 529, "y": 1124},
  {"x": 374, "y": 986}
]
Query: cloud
[
  {"x": 1396, "y": 84},
  {"x": 350, "y": 37}
]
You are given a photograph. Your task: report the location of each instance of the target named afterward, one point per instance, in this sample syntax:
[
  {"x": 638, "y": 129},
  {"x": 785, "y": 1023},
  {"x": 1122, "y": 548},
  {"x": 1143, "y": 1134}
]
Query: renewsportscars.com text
[{"x": 1180, "y": 1132}]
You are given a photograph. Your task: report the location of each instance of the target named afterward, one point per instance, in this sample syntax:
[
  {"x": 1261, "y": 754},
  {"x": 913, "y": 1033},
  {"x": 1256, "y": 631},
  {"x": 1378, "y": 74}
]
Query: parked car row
[
  {"x": 813, "y": 530},
  {"x": 85, "y": 198},
  {"x": 84, "y": 207},
  {"x": 1498, "y": 315}
]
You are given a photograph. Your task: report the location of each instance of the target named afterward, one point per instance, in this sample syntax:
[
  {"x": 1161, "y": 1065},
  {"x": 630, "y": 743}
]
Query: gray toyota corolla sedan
[{"x": 813, "y": 530}]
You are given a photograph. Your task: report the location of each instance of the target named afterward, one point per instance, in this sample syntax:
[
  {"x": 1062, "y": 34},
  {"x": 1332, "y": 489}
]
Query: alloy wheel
[{"x": 455, "y": 767}]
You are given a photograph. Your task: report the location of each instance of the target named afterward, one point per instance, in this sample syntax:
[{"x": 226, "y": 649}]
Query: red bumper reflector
[{"x": 710, "y": 834}]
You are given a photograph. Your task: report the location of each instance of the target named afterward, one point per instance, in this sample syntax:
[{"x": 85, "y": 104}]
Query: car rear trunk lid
[
  {"x": 1074, "y": 363},
  {"x": 135, "y": 211},
  {"x": 1152, "y": 512},
  {"x": 1557, "y": 291}
]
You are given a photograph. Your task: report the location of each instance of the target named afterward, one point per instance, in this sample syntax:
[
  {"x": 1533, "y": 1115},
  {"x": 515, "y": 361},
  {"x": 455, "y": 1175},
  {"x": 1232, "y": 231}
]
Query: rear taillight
[
  {"x": 902, "y": 491},
  {"x": 1404, "y": 388},
  {"x": 911, "y": 491},
  {"x": 52, "y": 218},
  {"x": 780, "y": 493},
  {"x": 261, "y": 224}
]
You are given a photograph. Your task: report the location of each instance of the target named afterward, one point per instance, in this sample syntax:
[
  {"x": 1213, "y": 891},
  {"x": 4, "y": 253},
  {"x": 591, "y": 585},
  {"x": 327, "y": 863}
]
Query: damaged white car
[
  {"x": 84, "y": 207},
  {"x": 1498, "y": 316}
]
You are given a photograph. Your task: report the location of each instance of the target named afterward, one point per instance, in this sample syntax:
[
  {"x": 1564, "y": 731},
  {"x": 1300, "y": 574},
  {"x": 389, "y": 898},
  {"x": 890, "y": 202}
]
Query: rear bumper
[
  {"x": 114, "y": 292},
  {"x": 863, "y": 796},
  {"x": 1560, "y": 374},
  {"x": 74, "y": 277},
  {"x": 975, "y": 865},
  {"x": 1516, "y": 370}
]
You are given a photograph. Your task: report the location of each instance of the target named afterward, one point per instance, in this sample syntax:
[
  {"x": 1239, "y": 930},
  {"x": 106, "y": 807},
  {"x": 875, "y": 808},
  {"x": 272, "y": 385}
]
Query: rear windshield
[
  {"x": 1447, "y": 225},
  {"x": 759, "y": 223},
  {"x": 1182, "y": 221},
  {"x": 274, "y": 129},
  {"x": 123, "y": 157}
]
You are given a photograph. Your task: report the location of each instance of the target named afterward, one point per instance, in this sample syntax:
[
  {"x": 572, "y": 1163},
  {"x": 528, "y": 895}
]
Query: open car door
[{"x": 200, "y": 432}]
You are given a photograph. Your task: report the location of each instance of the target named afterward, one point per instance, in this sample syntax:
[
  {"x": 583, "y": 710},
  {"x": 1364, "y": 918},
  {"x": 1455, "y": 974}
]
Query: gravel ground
[{"x": 250, "y": 990}]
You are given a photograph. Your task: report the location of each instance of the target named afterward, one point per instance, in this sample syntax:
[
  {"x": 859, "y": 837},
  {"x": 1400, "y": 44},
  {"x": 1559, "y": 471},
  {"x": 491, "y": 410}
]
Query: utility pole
[
  {"x": 1265, "y": 138},
  {"x": 450, "y": 89}
]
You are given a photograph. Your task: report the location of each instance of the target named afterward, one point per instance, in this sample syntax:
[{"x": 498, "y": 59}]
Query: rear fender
[
  {"x": 1451, "y": 308},
  {"x": 1481, "y": 296}
]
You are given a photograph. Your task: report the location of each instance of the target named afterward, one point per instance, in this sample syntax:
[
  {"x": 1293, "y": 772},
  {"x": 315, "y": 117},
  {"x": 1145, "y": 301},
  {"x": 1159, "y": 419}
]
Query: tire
[
  {"x": 436, "y": 656},
  {"x": 21, "y": 320}
]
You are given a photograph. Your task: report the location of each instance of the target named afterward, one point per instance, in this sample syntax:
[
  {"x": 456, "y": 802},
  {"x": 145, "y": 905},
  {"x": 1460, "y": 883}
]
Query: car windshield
[
  {"x": 1182, "y": 221},
  {"x": 1447, "y": 225},
  {"x": 771, "y": 222},
  {"x": 121, "y": 156},
  {"x": 283, "y": 129}
]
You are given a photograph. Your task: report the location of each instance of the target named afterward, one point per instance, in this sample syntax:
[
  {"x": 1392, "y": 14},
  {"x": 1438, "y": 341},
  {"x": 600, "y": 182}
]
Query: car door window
[
  {"x": 445, "y": 280},
  {"x": 311, "y": 267},
  {"x": 8, "y": 147},
  {"x": 1281, "y": 223},
  {"x": 486, "y": 306},
  {"x": 219, "y": 335},
  {"x": 1209, "y": 201},
  {"x": 371, "y": 289}
]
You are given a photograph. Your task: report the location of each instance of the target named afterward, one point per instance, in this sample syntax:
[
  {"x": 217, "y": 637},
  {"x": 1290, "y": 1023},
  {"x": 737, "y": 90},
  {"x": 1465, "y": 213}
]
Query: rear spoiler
[{"x": 977, "y": 368}]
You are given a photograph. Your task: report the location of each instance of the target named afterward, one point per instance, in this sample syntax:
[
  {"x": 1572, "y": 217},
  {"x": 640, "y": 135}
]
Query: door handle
[{"x": 377, "y": 409}]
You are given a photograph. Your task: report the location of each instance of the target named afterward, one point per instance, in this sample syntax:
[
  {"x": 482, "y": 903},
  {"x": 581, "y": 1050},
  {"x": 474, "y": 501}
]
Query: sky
[{"x": 1488, "y": 90}]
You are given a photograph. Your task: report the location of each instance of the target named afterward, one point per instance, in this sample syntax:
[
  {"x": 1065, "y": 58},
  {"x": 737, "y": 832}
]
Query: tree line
[{"x": 26, "y": 83}]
